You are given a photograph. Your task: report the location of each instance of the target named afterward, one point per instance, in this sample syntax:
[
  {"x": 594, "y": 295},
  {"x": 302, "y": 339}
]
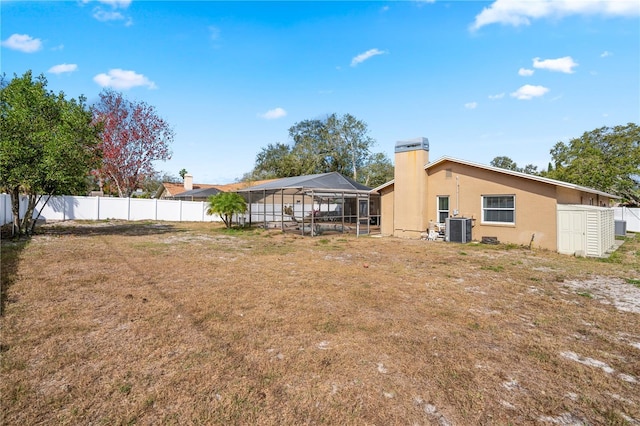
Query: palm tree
[{"x": 226, "y": 204}]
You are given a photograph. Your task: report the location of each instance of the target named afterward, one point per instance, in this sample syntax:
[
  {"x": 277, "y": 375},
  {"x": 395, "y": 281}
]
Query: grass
[{"x": 156, "y": 323}]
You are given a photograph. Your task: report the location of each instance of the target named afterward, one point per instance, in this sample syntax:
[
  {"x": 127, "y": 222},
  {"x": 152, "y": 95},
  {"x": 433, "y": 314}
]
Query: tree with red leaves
[{"x": 133, "y": 137}]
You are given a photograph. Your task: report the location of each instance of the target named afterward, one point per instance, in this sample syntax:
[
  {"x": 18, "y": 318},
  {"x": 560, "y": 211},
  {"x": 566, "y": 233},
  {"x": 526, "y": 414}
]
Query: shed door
[{"x": 571, "y": 232}]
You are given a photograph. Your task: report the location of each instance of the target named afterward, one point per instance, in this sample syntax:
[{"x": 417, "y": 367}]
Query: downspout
[{"x": 457, "y": 212}]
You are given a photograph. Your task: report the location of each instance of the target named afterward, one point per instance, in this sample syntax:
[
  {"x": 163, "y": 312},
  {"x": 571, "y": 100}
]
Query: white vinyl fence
[
  {"x": 629, "y": 215},
  {"x": 100, "y": 208}
]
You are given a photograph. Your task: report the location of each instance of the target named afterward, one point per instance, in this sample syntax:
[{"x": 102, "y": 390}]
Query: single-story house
[
  {"x": 173, "y": 191},
  {"x": 189, "y": 191},
  {"x": 479, "y": 201}
]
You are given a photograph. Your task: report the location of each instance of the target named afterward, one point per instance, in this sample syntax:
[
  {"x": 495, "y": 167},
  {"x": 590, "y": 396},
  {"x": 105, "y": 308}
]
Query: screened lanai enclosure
[{"x": 319, "y": 204}]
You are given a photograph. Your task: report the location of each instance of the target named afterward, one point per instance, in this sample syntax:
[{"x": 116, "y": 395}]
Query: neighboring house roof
[
  {"x": 549, "y": 181},
  {"x": 176, "y": 190},
  {"x": 241, "y": 185},
  {"x": 197, "y": 193},
  {"x": 332, "y": 181},
  {"x": 169, "y": 189}
]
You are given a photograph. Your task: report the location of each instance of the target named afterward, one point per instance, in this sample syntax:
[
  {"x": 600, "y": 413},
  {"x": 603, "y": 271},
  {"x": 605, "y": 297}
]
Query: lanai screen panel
[{"x": 312, "y": 204}]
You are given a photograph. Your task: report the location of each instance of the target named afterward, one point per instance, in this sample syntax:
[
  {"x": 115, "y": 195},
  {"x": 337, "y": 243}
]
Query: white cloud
[
  {"x": 104, "y": 16},
  {"x": 273, "y": 114},
  {"x": 123, "y": 4},
  {"x": 471, "y": 105},
  {"x": 123, "y": 79},
  {"x": 23, "y": 42},
  {"x": 497, "y": 96},
  {"x": 564, "y": 64},
  {"x": 528, "y": 92},
  {"x": 214, "y": 32},
  {"x": 62, "y": 68},
  {"x": 605, "y": 54},
  {"x": 366, "y": 55},
  {"x": 525, "y": 72},
  {"x": 112, "y": 14},
  {"x": 516, "y": 13}
]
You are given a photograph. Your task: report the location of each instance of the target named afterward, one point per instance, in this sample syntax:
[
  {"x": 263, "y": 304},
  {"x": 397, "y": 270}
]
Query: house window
[
  {"x": 499, "y": 208},
  {"x": 443, "y": 208}
]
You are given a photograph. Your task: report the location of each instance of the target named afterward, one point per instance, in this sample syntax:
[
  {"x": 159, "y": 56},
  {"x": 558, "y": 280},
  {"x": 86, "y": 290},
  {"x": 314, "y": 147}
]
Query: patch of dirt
[{"x": 609, "y": 290}]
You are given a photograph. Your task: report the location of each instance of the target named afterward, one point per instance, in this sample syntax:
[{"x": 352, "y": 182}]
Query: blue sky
[{"x": 479, "y": 79}]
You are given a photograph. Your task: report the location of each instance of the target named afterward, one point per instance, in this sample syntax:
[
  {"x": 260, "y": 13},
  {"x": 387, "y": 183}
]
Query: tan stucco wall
[
  {"x": 410, "y": 199},
  {"x": 570, "y": 196},
  {"x": 535, "y": 203},
  {"x": 386, "y": 208}
]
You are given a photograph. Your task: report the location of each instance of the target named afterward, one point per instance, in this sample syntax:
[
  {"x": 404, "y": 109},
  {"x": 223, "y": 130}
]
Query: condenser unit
[{"x": 458, "y": 229}]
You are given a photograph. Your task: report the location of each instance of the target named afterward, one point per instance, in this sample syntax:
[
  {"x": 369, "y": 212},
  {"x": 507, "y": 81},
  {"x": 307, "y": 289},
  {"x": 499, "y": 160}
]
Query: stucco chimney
[
  {"x": 410, "y": 188},
  {"x": 188, "y": 182}
]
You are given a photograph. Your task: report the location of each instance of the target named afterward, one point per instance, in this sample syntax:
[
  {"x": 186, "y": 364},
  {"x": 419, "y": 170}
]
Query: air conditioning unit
[{"x": 458, "y": 229}]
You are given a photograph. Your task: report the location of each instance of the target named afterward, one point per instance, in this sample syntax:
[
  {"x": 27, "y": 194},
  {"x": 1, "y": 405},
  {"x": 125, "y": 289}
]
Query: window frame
[
  {"x": 438, "y": 210},
  {"x": 484, "y": 209}
]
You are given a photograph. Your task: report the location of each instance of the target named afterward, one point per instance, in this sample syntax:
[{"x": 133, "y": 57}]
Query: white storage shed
[{"x": 585, "y": 230}]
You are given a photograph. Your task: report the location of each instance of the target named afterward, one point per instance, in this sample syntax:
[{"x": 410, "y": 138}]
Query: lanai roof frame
[{"x": 319, "y": 187}]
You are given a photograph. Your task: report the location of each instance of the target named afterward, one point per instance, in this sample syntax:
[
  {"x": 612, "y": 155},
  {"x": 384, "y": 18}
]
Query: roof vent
[{"x": 412, "y": 145}]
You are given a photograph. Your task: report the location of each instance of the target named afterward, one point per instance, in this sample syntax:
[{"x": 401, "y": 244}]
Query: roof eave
[
  {"x": 383, "y": 186},
  {"x": 522, "y": 175}
]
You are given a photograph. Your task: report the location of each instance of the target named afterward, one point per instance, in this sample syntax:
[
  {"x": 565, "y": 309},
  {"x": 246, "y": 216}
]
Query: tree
[
  {"x": 504, "y": 163},
  {"x": 48, "y": 145},
  {"x": 607, "y": 159},
  {"x": 377, "y": 170},
  {"x": 336, "y": 144},
  {"x": 226, "y": 204},
  {"x": 508, "y": 164},
  {"x": 152, "y": 183},
  {"x": 276, "y": 161},
  {"x": 134, "y": 136},
  {"x": 352, "y": 140},
  {"x": 183, "y": 173}
]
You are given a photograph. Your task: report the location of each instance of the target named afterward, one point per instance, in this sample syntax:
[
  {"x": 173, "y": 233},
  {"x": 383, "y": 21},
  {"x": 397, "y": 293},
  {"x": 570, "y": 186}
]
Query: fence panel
[
  {"x": 5, "y": 209},
  {"x": 54, "y": 209},
  {"x": 192, "y": 211},
  {"x": 169, "y": 210},
  {"x": 629, "y": 215},
  {"x": 114, "y": 208},
  {"x": 142, "y": 209}
]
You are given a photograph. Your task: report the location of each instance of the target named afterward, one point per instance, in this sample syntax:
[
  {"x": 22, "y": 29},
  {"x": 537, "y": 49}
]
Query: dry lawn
[{"x": 160, "y": 323}]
